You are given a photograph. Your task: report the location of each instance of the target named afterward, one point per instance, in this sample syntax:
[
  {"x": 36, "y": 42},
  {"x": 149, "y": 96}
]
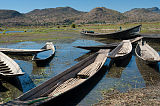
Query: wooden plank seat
[
  {"x": 6, "y": 71},
  {"x": 3, "y": 66},
  {"x": 86, "y": 72},
  {"x": 1, "y": 62},
  {"x": 3, "y": 69},
  {"x": 70, "y": 83}
]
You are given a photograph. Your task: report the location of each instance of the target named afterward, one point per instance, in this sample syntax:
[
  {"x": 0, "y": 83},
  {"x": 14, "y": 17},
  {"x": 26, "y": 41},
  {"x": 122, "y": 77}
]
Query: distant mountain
[
  {"x": 68, "y": 15},
  {"x": 55, "y": 15},
  {"x": 101, "y": 15},
  {"x": 154, "y": 9},
  {"x": 143, "y": 15},
  {"x": 5, "y": 14}
]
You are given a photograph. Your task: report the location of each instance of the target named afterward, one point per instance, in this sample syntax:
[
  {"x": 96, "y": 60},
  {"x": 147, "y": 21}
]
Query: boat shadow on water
[
  {"x": 2, "y": 88},
  {"x": 83, "y": 56},
  {"x": 116, "y": 67},
  {"x": 24, "y": 58},
  {"x": 44, "y": 63},
  {"x": 14, "y": 81},
  {"x": 121, "y": 62},
  {"x": 150, "y": 73},
  {"x": 73, "y": 97}
]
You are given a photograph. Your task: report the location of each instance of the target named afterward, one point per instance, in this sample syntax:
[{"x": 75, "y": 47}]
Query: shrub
[{"x": 73, "y": 26}]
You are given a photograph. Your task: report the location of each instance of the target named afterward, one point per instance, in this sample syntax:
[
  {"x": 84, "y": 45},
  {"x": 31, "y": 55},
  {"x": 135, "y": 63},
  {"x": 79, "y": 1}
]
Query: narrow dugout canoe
[
  {"x": 122, "y": 34},
  {"x": 122, "y": 50},
  {"x": 46, "y": 56},
  {"x": 146, "y": 53},
  {"x": 22, "y": 51},
  {"x": 107, "y": 46},
  {"x": 8, "y": 67},
  {"x": 65, "y": 82}
]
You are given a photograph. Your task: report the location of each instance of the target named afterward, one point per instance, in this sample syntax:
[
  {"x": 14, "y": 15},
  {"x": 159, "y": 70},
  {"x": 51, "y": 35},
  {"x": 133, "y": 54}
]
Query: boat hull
[
  {"x": 148, "y": 49},
  {"x": 27, "y": 52},
  {"x": 45, "y": 60},
  {"x": 50, "y": 86},
  {"x": 123, "y": 35},
  {"x": 74, "y": 96}
]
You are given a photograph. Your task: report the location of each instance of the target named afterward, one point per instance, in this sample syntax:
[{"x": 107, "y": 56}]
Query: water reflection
[
  {"x": 149, "y": 73},
  {"x": 12, "y": 31},
  {"x": 129, "y": 74},
  {"x": 23, "y": 58},
  {"x": 63, "y": 59},
  {"x": 83, "y": 56},
  {"x": 10, "y": 88},
  {"x": 122, "y": 79}
]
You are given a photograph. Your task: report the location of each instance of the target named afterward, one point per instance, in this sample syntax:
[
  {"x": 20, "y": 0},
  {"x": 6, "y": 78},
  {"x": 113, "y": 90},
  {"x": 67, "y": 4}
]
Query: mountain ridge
[{"x": 68, "y": 15}]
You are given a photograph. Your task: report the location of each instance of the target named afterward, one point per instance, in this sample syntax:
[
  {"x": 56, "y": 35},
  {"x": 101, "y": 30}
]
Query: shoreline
[{"x": 149, "y": 96}]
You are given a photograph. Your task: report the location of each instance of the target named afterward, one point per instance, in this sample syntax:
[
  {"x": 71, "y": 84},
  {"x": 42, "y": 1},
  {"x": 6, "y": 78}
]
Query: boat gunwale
[
  {"x": 102, "y": 34},
  {"x": 147, "y": 61},
  {"x": 61, "y": 75}
]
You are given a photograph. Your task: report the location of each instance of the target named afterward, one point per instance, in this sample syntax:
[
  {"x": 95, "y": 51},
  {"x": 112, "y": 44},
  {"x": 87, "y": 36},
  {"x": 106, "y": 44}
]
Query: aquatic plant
[{"x": 4, "y": 32}]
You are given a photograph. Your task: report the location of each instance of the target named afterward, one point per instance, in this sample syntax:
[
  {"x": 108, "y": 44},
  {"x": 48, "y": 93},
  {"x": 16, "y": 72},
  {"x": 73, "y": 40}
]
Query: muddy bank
[
  {"x": 149, "y": 96},
  {"x": 20, "y": 37}
]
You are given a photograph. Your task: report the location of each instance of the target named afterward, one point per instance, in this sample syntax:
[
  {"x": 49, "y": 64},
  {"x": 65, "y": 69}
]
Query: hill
[
  {"x": 65, "y": 15},
  {"x": 101, "y": 15},
  {"x": 68, "y": 15},
  {"x": 5, "y": 14},
  {"x": 142, "y": 15},
  {"x": 154, "y": 9}
]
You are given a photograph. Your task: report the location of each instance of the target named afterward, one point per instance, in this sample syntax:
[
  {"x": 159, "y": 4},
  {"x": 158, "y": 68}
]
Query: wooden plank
[
  {"x": 107, "y": 46},
  {"x": 136, "y": 39},
  {"x": 65, "y": 81},
  {"x": 11, "y": 65},
  {"x": 147, "y": 53}
]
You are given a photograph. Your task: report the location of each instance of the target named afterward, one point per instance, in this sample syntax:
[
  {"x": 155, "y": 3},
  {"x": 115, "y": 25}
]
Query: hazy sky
[{"x": 25, "y": 6}]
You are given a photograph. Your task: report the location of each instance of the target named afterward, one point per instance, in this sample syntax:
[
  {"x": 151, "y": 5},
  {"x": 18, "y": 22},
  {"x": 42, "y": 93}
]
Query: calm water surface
[
  {"x": 131, "y": 73},
  {"x": 11, "y": 31}
]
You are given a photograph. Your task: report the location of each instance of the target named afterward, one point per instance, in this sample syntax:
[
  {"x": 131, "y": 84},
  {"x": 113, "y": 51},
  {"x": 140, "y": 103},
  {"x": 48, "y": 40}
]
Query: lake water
[
  {"x": 11, "y": 31},
  {"x": 131, "y": 73}
]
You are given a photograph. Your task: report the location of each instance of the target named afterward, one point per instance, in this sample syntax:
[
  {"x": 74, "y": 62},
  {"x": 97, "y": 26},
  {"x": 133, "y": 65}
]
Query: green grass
[{"x": 147, "y": 27}]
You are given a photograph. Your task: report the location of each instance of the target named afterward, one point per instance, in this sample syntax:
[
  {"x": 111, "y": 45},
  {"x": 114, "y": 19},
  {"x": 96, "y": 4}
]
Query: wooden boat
[
  {"x": 96, "y": 48},
  {"x": 44, "y": 57},
  {"x": 122, "y": 50},
  {"x": 107, "y": 46},
  {"x": 122, "y": 34},
  {"x": 9, "y": 67},
  {"x": 22, "y": 51},
  {"x": 146, "y": 53},
  {"x": 65, "y": 82}
]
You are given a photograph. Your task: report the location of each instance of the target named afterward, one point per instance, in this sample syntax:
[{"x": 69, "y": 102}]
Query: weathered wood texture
[
  {"x": 9, "y": 67},
  {"x": 124, "y": 48},
  {"x": 146, "y": 53},
  {"x": 66, "y": 81},
  {"x": 48, "y": 57},
  {"x": 22, "y": 51},
  {"x": 107, "y": 46},
  {"x": 124, "y": 34}
]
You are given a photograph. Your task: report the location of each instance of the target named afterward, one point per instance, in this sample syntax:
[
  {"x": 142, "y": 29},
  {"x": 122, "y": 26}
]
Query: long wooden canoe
[
  {"x": 107, "y": 46},
  {"x": 122, "y": 50},
  {"x": 147, "y": 53},
  {"x": 124, "y": 34},
  {"x": 64, "y": 82},
  {"x": 44, "y": 57},
  {"x": 9, "y": 67},
  {"x": 96, "y": 48},
  {"x": 22, "y": 51}
]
